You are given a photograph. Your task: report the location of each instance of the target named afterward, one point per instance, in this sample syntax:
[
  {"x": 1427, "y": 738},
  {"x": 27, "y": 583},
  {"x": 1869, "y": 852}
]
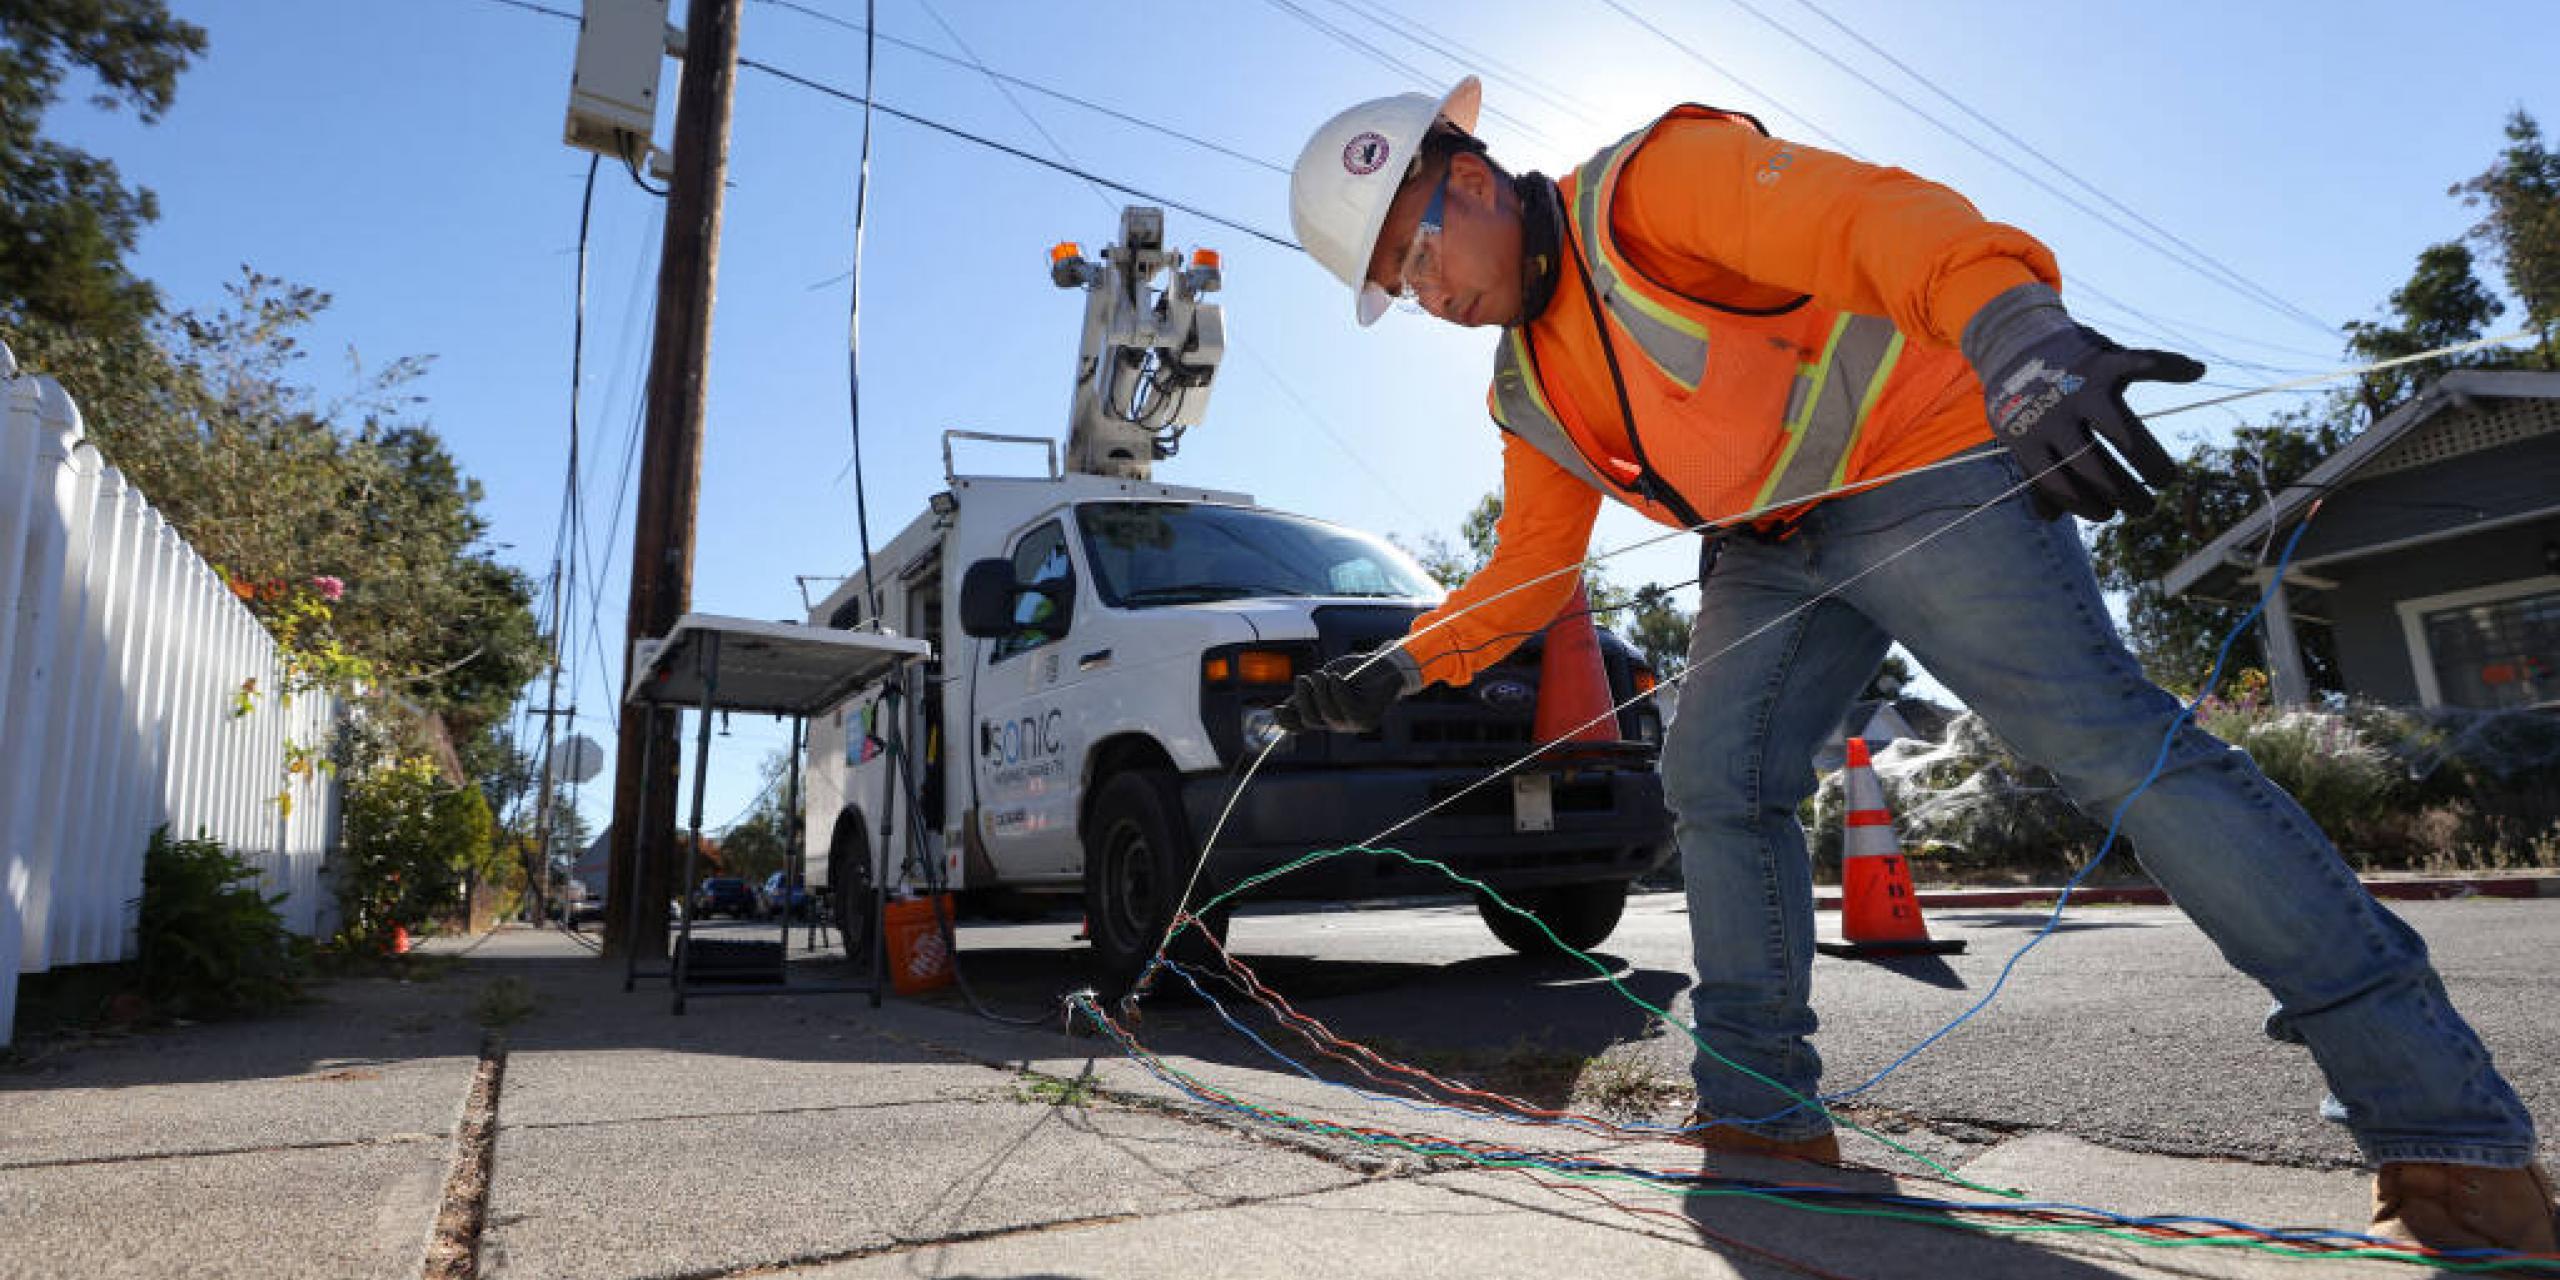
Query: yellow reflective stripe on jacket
[
  {"x": 1830, "y": 406},
  {"x": 1521, "y": 407},
  {"x": 1677, "y": 344},
  {"x": 1867, "y": 404}
]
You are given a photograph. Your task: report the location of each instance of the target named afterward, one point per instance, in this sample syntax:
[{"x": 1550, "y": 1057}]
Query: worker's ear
[{"x": 1471, "y": 177}]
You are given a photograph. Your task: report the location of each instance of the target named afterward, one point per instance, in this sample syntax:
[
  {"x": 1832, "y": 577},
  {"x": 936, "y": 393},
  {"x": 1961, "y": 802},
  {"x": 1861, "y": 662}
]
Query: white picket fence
[{"x": 121, "y": 655}]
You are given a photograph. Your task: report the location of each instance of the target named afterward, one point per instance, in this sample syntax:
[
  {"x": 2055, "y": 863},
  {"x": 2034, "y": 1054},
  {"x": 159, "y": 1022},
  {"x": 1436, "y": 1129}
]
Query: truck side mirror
[{"x": 986, "y": 599}]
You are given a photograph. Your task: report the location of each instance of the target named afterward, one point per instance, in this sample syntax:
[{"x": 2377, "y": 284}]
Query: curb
[{"x": 2412, "y": 889}]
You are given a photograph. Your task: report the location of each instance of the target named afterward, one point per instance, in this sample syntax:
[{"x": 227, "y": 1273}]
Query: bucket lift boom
[{"x": 1148, "y": 355}]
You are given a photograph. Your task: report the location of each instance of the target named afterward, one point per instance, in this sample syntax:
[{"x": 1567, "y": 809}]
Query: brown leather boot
[
  {"x": 2463, "y": 1206},
  {"x": 1823, "y": 1147}
]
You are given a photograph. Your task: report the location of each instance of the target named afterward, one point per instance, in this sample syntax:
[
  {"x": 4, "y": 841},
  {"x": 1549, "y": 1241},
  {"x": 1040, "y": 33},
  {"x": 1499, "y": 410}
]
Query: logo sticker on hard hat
[{"x": 1365, "y": 155}]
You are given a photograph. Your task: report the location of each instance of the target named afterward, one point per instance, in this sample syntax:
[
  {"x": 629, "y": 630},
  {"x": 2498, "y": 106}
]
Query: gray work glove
[
  {"x": 1346, "y": 699},
  {"x": 2054, "y": 387}
]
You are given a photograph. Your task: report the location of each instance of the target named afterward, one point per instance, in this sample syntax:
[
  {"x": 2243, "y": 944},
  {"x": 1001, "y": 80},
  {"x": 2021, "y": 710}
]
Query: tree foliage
[
  {"x": 2217, "y": 484},
  {"x": 2520, "y": 199},
  {"x": 67, "y": 218},
  {"x": 759, "y": 844},
  {"x": 1453, "y": 563},
  {"x": 2443, "y": 303},
  {"x": 1659, "y": 629},
  {"x": 271, "y": 483}
]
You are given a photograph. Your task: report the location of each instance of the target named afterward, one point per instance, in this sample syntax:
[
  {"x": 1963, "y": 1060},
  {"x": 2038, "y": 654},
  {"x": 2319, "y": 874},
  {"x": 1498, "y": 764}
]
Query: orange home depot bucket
[{"x": 919, "y": 960}]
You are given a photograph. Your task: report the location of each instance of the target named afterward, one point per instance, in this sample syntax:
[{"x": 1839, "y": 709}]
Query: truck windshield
[{"x": 1163, "y": 553}]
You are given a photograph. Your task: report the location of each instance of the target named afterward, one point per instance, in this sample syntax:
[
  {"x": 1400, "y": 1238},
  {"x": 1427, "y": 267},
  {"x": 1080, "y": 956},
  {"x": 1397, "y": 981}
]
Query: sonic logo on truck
[{"x": 1024, "y": 749}]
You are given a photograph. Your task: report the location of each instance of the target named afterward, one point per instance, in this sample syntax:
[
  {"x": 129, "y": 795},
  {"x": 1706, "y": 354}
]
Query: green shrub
[
  {"x": 2436, "y": 789},
  {"x": 2323, "y": 759},
  {"x": 408, "y": 845},
  {"x": 209, "y": 943},
  {"x": 2495, "y": 775}
]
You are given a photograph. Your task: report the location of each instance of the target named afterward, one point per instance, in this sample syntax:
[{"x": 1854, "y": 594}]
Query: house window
[{"x": 2499, "y": 647}]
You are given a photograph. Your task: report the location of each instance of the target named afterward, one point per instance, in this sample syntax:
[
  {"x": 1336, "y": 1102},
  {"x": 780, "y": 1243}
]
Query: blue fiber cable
[{"x": 2159, "y": 765}]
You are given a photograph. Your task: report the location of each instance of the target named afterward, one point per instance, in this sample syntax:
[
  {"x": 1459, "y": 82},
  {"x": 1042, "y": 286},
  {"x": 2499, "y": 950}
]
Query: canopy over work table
[{"x": 713, "y": 663}]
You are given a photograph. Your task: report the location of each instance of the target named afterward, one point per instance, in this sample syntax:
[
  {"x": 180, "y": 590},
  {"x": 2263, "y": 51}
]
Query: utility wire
[
  {"x": 1837, "y": 142},
  {"x": 979, "y": 65},
  {"x": 1845, "y": 148},
  {"x": 938, "y": 126},
  {"x": 1046, "y": 91},
  {"x": 2234, "y": 282},
  {"x": 1389, "y": 60},
  {"x": 1465, "y": 56},
  {"x": 1285, "y": 387},
  {"x": 853, "y": 317},
  {"x": 1016, "y": 152},
  {"x": 2269, "y": 295},
  {"x": 1281, "y": 241}
]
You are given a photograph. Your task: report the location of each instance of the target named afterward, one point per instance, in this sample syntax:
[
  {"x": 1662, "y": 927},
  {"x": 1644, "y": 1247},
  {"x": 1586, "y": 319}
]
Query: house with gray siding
[{"x": 2434, "y": 556}]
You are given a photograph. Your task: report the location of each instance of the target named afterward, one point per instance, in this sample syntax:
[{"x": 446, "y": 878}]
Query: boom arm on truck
[{"x": 1148, "y": 355}]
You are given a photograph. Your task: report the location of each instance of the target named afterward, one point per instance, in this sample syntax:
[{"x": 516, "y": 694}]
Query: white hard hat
[{"x": 1349, "y": 173}]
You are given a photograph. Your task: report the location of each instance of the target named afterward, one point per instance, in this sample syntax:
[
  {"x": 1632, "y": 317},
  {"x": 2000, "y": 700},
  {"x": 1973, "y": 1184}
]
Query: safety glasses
[{"x": 1420, "y": 266}]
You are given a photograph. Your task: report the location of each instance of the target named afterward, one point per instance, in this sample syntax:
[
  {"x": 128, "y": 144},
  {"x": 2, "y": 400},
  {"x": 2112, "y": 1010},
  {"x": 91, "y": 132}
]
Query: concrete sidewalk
[{"x": 816, "y": 1136}]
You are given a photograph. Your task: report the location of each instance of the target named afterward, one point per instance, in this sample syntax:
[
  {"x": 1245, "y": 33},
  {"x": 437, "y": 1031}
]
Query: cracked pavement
[{"x": 811, "y": 1135}]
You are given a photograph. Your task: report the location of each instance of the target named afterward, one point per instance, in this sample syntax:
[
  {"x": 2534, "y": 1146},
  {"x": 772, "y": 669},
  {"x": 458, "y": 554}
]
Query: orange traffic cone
[
  {"x": 1879, "y": 913},
  {"x": 1573, "y": 684}
]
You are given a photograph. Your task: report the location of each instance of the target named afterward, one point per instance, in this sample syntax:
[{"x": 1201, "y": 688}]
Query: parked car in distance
[
  {"x": 574, "y": 904},
  {"x": 783, "y": 894},
  {"x": 724, "y": 895}
]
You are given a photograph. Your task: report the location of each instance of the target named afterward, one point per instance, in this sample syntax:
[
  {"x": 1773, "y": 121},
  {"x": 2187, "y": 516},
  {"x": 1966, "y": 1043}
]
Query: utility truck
[{"x": 1108, "y": 653}]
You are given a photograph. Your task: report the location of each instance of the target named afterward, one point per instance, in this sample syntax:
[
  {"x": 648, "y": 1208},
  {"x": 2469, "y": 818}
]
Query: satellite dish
[{"x": 578, "y": 759}]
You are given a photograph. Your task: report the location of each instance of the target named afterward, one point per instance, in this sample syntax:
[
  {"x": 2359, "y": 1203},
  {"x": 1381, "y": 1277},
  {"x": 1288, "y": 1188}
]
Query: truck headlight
[{"x": 1261, "y": 729}]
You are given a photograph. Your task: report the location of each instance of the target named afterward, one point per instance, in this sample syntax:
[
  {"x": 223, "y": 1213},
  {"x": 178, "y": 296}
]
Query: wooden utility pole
[{"x": 644, "y": 800}]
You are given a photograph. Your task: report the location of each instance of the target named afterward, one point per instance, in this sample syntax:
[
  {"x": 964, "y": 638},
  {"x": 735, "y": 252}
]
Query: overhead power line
[
  {"x": 1473, "y": 59},
  {"x": 1837, "y": 142},
  {"x": 855, "y": 99},
  {"x": 937, "y": 126},
  {"x": 1392, "y": 62},
  {"x": 2224, "y": 277},
  {"x": 980, "y": 66},
  {"x": 2065, "y": 170},
  {"x": 1843, "y": 146},
  {"x": 1045, "y": 91},
  {"x": 1286, "y": 388},
  {"x": 1072, "y": 170}
]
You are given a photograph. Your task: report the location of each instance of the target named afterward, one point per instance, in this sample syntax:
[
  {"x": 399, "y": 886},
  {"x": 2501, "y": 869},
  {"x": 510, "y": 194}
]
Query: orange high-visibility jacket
[{"x": 1785, "y": 321}]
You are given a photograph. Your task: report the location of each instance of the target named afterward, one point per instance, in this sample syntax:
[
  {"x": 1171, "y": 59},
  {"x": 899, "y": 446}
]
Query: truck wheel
[
  {"x": 1138, "y": 857},
  {"x": 1582, "y": 916},
  {"x": 849, "y": 880}
]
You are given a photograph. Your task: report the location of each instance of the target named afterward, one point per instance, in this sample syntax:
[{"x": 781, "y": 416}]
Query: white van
[{"x": 1109, "y": 651}]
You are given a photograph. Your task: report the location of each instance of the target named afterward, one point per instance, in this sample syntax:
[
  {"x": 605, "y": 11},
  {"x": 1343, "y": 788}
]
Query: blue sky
[{"x": 406, "y": 158}]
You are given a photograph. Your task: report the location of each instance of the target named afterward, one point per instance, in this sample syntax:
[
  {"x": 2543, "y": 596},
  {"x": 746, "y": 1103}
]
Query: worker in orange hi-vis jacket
[{"x": 1728, "y": 330}]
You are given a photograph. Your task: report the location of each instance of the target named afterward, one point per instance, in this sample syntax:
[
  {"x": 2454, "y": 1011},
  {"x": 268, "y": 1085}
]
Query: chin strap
[{"x": 1541, "y": 238}]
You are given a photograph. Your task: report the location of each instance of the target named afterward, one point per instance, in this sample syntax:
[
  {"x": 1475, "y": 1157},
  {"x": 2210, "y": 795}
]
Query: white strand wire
[
  {"x": 1182, "y": 905},
  {"x": 1754, "y": 634}
]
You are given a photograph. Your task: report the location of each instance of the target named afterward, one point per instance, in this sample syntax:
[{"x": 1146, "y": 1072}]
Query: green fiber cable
[
  {"x": 1452, "y": 1150},
  {"x": 1610, "y": 977}
]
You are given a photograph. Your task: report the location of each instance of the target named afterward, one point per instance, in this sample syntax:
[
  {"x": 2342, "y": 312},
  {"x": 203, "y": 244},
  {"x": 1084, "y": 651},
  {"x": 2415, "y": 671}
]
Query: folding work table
[{"x": 712, "y": 663}]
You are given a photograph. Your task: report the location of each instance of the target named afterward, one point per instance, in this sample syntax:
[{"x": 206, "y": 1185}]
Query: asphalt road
[{"x": 2124, "y": 1028}]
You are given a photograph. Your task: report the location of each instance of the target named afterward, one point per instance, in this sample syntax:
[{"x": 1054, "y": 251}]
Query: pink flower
[{"x": 329, "y": 588}]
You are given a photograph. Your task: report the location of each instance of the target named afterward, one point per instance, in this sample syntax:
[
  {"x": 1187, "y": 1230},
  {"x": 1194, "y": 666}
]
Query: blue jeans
[{"x": 2004, "y": 610}]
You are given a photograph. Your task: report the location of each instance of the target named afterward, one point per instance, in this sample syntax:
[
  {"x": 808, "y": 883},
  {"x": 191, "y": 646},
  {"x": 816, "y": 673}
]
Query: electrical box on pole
[
  {"x": 1148, "y": 356},
  {"x": 613, "y": 88}
]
